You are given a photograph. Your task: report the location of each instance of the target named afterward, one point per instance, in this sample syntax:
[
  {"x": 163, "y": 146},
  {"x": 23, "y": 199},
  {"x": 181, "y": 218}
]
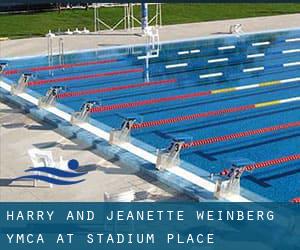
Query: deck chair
[{"x": 41, "y": 158}]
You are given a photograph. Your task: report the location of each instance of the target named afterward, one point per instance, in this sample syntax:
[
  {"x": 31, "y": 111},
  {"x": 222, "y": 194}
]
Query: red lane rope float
[
  {"x": 240, "y": 134},
  {"x": 148, "y": 102},
  {"x": 71, "y": 78},
  {"x": 296, "y": 200},
  {"x": 265, "y": 164},
  {"x": 110, "y": 89},
  {"x": 191, "y": 117},
  {"x": 65, "y": 66}
]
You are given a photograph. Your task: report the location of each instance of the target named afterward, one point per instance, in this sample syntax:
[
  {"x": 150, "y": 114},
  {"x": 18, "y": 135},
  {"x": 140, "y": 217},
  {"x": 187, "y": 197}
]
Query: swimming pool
[{"x": 232, "y": 98}]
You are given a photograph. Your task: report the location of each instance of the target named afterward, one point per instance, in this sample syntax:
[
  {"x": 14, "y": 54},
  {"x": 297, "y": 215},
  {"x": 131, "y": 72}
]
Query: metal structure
[
  {"x": 229, "y": 187},
  {"x": 229, "y": 184},
  {"x": 122, "y": 135},
  {"x": 83, "y": 115},
  {"x": 152, "y": 49},
  {"x": 50, "y": 37},
  {"x": 22, "y": 84},
  {"x": 49, "y": 98},
  {"x": 170, "y": 157},
  {"x": 129, "y": 20},
  {"x": 3, "y": 65},
  {"x": 61, "y": 52}
]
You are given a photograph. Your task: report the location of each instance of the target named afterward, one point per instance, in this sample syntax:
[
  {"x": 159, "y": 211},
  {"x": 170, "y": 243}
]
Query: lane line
[
  {"x": 261, "y": 43},
  {"x": 178, "y": 65},
  {"x": 218, "y": 60},
  {"x": 116, "y": 88},
  {"x": 238, "y": 135},
  {"x": 210, "y": 75},
  {"x": 65, "y": 66},
  {"x": 186, "y": 96},
  {"x": 81, "y": 77},
  {"x": 226, "y": 47},
  {"x": 253, "y": 69},
  {"x": 256, "y": 55},
  {"x": 176, "y": 119}
]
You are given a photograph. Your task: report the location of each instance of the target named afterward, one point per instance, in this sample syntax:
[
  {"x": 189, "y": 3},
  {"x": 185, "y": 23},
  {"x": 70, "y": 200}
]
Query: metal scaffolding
[{"x": 129, "y": 20}]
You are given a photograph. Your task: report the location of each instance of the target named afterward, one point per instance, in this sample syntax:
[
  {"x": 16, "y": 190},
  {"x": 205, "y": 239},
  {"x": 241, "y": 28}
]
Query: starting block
[
  {"x": 122, "y": 135},
  {"x": 84, "y": 113},
  {"x": 170, "y": 157},
  {"x": 22, "y": 84},
  {"x": 230, "y": 186},
  {"x": 3, "y": 65},
  {"x": 50, "y": 97}
]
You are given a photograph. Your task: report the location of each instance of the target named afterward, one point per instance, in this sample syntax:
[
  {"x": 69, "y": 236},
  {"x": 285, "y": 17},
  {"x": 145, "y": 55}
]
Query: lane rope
[
  {"x": 188, "y": 96},
  {"x": 80, "y": 77},
  {"x": 65, "y": 66},
  {"x": 271, "y": 162},
  {"x": 160, "y": 122},
  {"x": 111, "y": 89},
  {"x": 240, "y": 135},
  {"x": 296, "y": 200}
]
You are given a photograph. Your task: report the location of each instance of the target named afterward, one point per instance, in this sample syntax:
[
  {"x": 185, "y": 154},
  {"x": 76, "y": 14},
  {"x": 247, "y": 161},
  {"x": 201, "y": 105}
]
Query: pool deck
[
  {"x": 18, "y": 133},
  {"x": 106, "y": 176},
  {"x": 38, "y": 45}
]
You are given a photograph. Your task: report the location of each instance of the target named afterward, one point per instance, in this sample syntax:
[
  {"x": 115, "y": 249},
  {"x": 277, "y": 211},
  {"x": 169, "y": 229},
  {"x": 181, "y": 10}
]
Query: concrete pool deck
[
  {"x": 19, "y": 133},
  {"x": 108, "y": 177},
  {"x": 38, "y": 45}
]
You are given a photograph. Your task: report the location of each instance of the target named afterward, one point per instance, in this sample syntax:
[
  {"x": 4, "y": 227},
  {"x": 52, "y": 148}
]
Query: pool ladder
[
  {"x": 50, "y": 53},
  {"x": 61, "y": 53}
]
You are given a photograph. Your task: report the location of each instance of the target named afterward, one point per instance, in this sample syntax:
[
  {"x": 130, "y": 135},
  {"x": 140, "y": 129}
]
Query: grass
[{"x": 38, "y": 24}]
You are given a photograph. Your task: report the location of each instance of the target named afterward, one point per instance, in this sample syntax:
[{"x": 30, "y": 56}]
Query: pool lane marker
[
  {"x": 195, "y": 51},
  {"x": 226, "y": 47},
  {"x": 225, "y": 59},
  {"x": 292, "y": 40},
  {"x": 188, "y": 96},
  {"x": 290, "y": 51},
  {"x": 256, "y": 55},
  {"x": 147, "y": 56},
  {"x": 211, "y": 75},
  {"x": 176, "y": 119},
  {"x": 116, "y": 88},
  {"x": 65, "y": 66},
  {"x": 186, "y": 52},
  {"x": 253, "y": 69},
  {"x": 272, "y": 162},
  {"x": 178, "y": 65},
  {"x": 291, "y": 64},
  {"x": 81, "y": 77},
  {"x": 261, "y": 44},
  {"x": 238, "y": 135}
]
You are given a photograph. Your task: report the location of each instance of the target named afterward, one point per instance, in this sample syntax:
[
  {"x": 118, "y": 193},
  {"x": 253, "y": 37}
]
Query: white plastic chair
[{"x": 40, "y": 158}]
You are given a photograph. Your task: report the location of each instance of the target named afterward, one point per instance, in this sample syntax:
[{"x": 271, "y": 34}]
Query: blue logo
[{"x": 72, "y": 165}]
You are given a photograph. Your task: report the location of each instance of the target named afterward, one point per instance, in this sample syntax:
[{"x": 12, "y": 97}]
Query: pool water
[{"x": 193, "y": 77}]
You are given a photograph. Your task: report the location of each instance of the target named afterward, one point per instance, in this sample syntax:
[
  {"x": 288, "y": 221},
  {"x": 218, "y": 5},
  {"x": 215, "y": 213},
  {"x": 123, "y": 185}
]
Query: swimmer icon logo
[{"x": 54, "y": 175}]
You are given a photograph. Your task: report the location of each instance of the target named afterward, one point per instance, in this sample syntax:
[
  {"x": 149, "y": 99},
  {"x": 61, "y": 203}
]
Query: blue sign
[{"x": 215, "y": 226}]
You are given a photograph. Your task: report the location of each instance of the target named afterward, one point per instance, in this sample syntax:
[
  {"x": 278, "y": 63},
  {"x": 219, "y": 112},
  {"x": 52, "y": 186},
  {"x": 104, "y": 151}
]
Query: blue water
[{"x": 280, "y": 183}]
